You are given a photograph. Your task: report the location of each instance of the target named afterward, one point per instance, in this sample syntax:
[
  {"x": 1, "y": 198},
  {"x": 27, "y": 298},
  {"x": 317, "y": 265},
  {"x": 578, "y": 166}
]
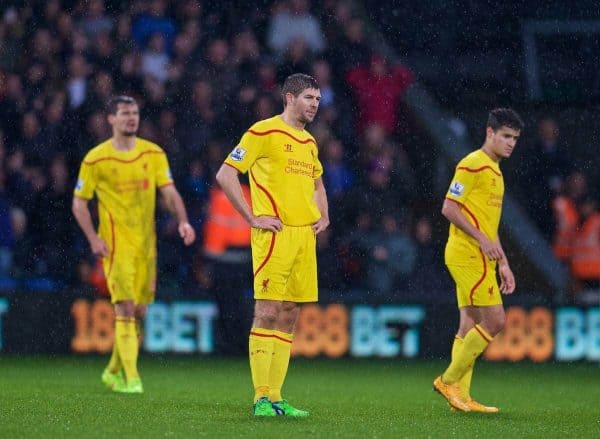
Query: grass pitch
[{"x": 207, "y": 397}]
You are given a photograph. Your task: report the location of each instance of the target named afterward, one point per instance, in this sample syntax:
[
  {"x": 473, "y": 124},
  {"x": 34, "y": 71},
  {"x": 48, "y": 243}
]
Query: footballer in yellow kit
[
  {"x": 283, "y": 164},
  {"x": 474, "y": 253},
  {"x": 289, "y": 209},
  {"x": 123, "y": 173},
  {"x": 478, "y": 187},
  {"x": 125, "y": 183}
]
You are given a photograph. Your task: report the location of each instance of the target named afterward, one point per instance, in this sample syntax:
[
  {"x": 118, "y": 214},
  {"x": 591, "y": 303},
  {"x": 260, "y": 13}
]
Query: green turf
[{"x": 208, "y": 397}]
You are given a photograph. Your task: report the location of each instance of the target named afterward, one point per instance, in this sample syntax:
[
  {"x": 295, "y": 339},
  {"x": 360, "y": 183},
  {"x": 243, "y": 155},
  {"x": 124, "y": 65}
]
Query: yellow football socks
[
  {"x": 473, "y": 345},
  {"x": 465, "y": 382},
  {"x": 127, "y": 343},
  {"x": 282, "y": 347},
  {"x": 261, "y": 354},
  {"x": 114, "y": 364}
]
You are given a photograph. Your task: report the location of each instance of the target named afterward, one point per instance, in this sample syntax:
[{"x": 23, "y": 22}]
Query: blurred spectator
[
  {"x": 196, "y": 125},
  {"x": 296, "y": 59},
  {"x": 543, "y": 173},
  {"x": 390, "y": 257},
  {"x": 585, "y": 259},
  {"x": 429, "y": 278},
  {"x": 32, "y": 142},
  {"x": 377, "y": 89},
  {"x": 566, "y": 216},
  {"x": 94, "y": 20},
  {"x": 337, "y": 174},
  {"x": 8, "y": 110},
  {"x": 77, "y": 85},
  {"x": 352, "y": 50},
  {"x": 104, "y": 55},
  {"x": 292, "y": 20},
  {"x": 52, "y": 240},
  {"x": 151, "y": 21},
  {"x": 218, "y": 69},
  {"x": 245, "y": 55},
  {"x": 155, "y": 61},
  {"x": 329, "y": 262}
]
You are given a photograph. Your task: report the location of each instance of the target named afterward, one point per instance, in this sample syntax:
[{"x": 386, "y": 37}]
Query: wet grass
[{"x": 208, "y": 397}]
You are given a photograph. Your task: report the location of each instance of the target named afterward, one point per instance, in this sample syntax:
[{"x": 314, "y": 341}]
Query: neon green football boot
[
  {"x": 133, "y": 385},
  {"x": 263, "y": 407},
  {"x": 284, "y": 408},
  {"x": 110, "y": 379}
]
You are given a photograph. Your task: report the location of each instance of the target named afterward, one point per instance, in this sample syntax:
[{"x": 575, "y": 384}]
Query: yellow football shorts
[
  {"x": 131, "y": 278},
  {"x": 476, "y": 285},
  {"x": 285, "y": 264}
]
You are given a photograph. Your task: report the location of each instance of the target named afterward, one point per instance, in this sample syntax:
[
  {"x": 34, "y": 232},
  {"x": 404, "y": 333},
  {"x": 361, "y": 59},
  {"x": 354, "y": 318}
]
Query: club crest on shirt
[
  {"x": 79, "y": 184},
  {"x": 265, "y": 285},
  {"x": 457, "y": 188},
  {"x": 237, "y": 154}
]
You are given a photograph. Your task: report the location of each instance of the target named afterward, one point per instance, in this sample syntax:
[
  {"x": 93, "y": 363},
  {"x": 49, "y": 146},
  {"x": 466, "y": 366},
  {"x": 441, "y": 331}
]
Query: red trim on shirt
[
  {"x": 269, "y": 253},
  {"x": 264, "y": 133},
  {"x": 262, "y": 188},
  {"x": 166, "y": 184},
  {"x": 123, "y": 160},
  {"x": 483, "y": 168}
]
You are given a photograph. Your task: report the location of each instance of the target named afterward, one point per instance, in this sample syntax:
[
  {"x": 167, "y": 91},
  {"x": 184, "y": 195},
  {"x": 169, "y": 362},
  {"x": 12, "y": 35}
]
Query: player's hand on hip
[
  {"x": 320, "y": 225},
  {"x": 187, "y": 233},
  {"x": 490, "y": 249},
  {"x": 507, "y": 279},
  {"x": 271, "y": 223},
  {"x": 99, "y": 247}
]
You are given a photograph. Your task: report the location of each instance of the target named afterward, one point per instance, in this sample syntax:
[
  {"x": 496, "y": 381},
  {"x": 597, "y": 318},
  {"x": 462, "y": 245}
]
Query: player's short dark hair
[
  {"x": 297, "y": 83},
  {"x": 112, "y": 106},
  {"x": 504, "y": 117}
]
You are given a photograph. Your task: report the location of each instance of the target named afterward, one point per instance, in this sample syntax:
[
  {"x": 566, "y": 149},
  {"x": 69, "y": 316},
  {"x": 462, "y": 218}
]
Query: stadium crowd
[{"x": 202, "y": 72}]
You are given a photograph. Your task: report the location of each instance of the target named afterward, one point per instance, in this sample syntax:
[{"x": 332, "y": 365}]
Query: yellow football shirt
[
  {"x": 125, "y": 185},
  {"x": 283, "y": 165},
  {"x": 478, "y": 187}
]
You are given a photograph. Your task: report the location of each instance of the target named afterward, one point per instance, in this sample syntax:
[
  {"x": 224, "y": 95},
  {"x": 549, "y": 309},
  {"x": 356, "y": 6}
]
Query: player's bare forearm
[
  {"x": 452, "y": 211},
  {"x": 503, "y": 260},
  {"x": 175, "y": 205},
  {"x": 228, "y": 179},
  {"x": 82, "y": 215},
  {"x": 320, "y": 198}
]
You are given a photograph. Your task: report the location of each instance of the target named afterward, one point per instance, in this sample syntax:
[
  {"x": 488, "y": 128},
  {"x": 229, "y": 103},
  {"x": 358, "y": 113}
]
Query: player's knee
[
  {"x": 266, "y": 317},
  {"x": 140, "y": 312},
  {"x": 125, "y": 309},
  {"x": 496, "y": 324}
]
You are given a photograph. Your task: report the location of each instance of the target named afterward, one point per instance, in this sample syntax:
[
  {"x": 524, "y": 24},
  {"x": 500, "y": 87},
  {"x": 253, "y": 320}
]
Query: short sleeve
[
  {"x": 317, "y": 166},
  {"x": 86, "y": 181},
  {"x": 163, "y": 172},
  {"x": 245, "y": 154},
  {"x": 462, "y": 184}
]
